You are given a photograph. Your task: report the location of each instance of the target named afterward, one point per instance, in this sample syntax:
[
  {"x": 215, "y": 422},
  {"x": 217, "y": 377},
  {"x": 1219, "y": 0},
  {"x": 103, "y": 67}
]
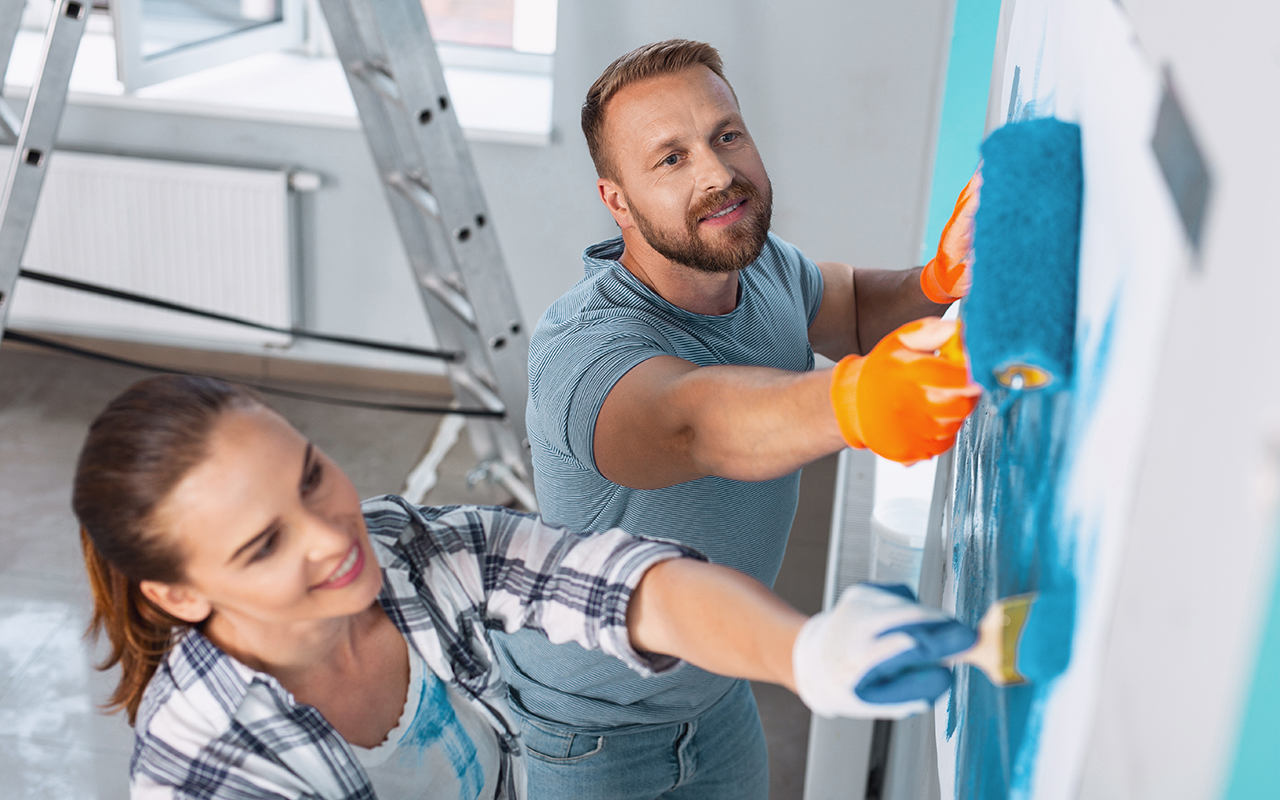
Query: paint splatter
[{"x": 434, "y": 722}]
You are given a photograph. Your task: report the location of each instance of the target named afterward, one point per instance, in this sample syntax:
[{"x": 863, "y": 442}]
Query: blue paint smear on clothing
[
  {"x": 434, "y": 722},
  {"x": 1011, "y": 535}
]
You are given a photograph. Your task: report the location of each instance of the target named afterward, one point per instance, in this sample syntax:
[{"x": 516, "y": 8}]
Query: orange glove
[
  {"x": 946, "y": 278},
  {"x": 906, "y": 399}
]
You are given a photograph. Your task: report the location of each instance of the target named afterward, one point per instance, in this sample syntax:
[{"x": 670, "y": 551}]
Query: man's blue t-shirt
[{"x": 585, "y": 342}]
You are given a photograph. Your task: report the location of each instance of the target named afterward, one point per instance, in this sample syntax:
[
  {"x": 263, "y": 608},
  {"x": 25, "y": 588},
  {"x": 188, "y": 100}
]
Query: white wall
[
  {"x": 1201, "y": 554},
  {"x": 842, "y": 98}
]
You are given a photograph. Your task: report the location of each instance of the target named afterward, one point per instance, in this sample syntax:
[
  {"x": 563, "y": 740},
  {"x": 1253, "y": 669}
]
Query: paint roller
[{"x": 1020, "y": 314}]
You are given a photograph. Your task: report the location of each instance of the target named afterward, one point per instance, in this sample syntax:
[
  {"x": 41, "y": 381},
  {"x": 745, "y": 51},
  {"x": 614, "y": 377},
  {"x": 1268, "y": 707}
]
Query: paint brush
[{"x": 1023, "y": 639}]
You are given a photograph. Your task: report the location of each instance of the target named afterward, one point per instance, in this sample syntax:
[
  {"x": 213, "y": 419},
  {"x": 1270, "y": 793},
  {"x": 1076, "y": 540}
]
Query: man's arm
[
  {"x": 861, "y": 306},
  {"x": 668, "y": 421}
]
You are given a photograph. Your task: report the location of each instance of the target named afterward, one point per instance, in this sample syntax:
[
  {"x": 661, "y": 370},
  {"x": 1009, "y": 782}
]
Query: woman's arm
[
  {"x": 715, "y": 618},
  {"x": 875, "y": 654}
]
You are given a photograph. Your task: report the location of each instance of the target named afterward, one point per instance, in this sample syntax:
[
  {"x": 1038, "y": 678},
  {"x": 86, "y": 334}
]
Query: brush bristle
[
  {"x": 1013, "y": 611},
  {"x": 1045, "y": 647}
]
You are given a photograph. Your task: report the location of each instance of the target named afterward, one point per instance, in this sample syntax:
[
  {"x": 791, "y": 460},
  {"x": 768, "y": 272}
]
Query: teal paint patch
[
  {"x": 1257, "y": 769},
  {"x": 436, "y": 724},
  {"x": 964, "y": 111},
  {"x": 1009, "y": 539},
  {"x": 1012, "y": 535}
]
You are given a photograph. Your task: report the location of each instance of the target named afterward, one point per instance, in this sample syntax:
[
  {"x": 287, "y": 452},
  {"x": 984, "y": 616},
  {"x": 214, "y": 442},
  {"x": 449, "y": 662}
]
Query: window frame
[{"x": 136, "y": 71}]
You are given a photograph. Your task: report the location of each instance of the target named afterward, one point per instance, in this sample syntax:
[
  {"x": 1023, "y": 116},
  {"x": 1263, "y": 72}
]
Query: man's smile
[{"x": 726, "y": 214}]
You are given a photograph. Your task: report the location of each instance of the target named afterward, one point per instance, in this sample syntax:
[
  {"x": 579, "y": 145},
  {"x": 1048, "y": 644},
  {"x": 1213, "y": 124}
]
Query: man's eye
[
  {"x": 728, "y": 137},
  {"x": 268, "y": 547},
  {"x": 671, "y": 160}
]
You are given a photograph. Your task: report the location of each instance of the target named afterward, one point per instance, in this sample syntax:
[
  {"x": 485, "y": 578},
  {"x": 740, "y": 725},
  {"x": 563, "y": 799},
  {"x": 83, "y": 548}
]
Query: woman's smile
[{"x": 347, "y": 571}]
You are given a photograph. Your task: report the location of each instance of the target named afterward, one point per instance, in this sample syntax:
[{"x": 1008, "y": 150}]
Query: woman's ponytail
[
  {"x": 137, "y": 451},
  {"x": 140, "y": 633}
]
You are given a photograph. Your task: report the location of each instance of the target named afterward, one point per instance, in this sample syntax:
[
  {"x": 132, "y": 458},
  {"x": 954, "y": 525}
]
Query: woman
[{"x": 278, "y": 638}]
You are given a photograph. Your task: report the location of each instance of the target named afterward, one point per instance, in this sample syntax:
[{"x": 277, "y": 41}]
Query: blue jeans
[{"x": 720, "y": 754}]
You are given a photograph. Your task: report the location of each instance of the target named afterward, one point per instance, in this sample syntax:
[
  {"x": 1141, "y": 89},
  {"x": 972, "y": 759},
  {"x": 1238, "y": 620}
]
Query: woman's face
[{"x": 270, "y": 530}]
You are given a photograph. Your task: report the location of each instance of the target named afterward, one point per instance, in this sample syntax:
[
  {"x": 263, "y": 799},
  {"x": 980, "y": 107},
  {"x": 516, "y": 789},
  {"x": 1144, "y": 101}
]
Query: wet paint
[
  {"x": 1007, "y": 540},
  {"x": 1011, "y": 535}
]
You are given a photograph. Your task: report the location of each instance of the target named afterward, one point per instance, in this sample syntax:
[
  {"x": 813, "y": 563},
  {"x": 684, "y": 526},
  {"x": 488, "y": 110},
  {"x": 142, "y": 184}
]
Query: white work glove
[{"x": 877, "y": 654}]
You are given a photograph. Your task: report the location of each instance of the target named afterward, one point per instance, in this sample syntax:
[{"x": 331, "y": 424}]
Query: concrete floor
[{"x": 54, "y": 743}]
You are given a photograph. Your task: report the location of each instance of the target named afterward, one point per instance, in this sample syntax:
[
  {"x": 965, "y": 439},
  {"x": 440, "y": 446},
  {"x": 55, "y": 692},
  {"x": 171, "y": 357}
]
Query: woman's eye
[
  {"x": 313, "y": 477},
  {"x": 268, "y": 547}
]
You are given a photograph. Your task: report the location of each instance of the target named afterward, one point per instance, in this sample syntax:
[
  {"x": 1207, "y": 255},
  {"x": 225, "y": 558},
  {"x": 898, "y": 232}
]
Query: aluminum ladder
[
  {"x": 33, "y": 133},
  {"x": 408, "y": 118}
]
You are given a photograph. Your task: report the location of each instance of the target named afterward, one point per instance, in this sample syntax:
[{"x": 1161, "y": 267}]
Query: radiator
[{"x": 217, "y": 238}]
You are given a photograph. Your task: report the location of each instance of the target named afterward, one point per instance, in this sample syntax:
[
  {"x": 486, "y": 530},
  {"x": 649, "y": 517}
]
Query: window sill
[{"x": 510, "y": 107}]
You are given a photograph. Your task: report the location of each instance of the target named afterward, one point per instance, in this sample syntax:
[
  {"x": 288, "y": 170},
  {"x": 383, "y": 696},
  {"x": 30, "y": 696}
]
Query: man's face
[{"x": 689, "y": 178}]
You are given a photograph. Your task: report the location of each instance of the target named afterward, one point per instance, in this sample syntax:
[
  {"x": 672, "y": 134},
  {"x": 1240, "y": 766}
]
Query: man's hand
[
  {"x": 906, "y": 400},
  {"x": 877, "y": 654},
  {"x": 946, "y": 278}
]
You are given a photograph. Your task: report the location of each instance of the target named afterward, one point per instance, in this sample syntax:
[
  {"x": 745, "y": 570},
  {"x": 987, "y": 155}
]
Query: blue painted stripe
[
  {"x": 964, "y": 110},
  {"x": 1257, "y": 768}
]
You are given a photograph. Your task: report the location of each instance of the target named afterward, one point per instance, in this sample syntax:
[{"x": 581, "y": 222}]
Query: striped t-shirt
[{"x": 585, "y": 342}]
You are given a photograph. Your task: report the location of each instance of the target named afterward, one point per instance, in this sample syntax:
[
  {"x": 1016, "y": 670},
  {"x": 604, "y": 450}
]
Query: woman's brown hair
[{"x": 137, "y": 451}]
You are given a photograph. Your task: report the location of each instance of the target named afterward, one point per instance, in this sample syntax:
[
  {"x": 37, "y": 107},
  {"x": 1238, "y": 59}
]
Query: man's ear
[
  {"x": 614, "y": 200},
  {"x": 177, "y": 600}
]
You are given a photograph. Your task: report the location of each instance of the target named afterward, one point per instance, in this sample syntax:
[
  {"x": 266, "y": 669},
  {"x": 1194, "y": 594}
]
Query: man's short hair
[{"x": 649, "y": 61}]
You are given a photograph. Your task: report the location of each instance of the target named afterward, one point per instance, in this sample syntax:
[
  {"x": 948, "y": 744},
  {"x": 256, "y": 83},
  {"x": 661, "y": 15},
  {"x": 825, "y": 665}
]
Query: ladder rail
[
  {"x": 35, "y": 141},
  {"x": 10, "y": 23}
]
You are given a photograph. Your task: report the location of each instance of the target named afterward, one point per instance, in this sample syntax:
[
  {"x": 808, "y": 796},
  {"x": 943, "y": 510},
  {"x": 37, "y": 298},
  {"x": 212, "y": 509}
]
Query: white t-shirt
[{"x": 440, "y": 748}]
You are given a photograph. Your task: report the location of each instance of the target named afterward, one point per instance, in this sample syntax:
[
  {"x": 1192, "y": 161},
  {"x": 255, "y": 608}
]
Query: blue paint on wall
[
  {"x": 1011, "y": 534},
  {"x": 1008, "y": 539},
  {"x": 1257, "y": 767},
  {"x": 964, "y": 110}
]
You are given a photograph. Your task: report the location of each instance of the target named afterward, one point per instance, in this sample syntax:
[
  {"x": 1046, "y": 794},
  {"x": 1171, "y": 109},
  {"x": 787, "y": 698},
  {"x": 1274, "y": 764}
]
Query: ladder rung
[
  {"x": 377, "y": 79},
  {"x": 477, "y": 388},
  {"x": 452, "y": 299},
  {"x": 416, "y": 192}
]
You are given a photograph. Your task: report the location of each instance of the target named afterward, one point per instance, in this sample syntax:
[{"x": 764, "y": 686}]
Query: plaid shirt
[{"x": 211, "y": 727}]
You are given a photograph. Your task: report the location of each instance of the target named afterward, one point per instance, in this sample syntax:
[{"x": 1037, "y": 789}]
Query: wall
[
  {"x": 1201, "y": 556},
  {"x": 842, "y": 98}
]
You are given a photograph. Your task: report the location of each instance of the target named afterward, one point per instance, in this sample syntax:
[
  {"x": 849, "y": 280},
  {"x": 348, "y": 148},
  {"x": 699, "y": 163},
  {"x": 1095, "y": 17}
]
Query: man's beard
[{"x": 688, "y": 248}]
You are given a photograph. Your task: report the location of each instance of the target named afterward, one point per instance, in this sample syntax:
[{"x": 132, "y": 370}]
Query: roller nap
[{"x": 1021, "y": 311}]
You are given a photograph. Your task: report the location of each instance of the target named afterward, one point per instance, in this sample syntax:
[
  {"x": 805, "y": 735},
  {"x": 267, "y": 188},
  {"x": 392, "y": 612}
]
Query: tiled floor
[{"x": 54, "y": 742}]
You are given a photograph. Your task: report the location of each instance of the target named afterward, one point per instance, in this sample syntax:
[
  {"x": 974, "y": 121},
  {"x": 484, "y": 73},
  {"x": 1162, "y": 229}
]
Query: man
[{"x": 672, "y": 393}]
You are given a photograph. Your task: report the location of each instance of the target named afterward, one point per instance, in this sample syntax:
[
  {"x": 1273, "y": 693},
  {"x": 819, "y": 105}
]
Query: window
[
  {"x": 526, "y": 26},
  {"x": 161, "y": 39}
]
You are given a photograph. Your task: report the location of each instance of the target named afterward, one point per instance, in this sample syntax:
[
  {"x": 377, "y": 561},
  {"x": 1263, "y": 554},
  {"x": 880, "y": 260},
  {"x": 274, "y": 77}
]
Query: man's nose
[{"x": 713, "y": 174}]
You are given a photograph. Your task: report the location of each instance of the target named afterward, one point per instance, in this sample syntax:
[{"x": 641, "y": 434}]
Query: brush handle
[{"x": 986, "y": 653}]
